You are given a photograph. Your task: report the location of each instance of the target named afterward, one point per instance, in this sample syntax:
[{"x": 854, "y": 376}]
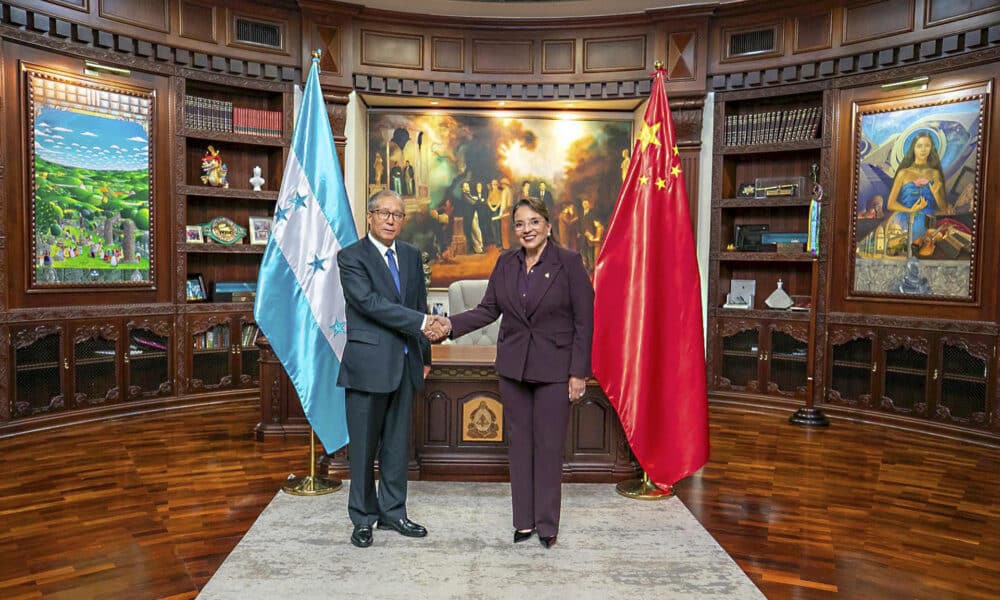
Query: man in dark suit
[{"x": 386, "y": 358}]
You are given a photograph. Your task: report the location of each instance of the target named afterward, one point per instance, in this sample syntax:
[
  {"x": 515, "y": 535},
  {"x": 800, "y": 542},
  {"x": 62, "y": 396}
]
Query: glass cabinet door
[
  {"x": 95, "y": 364},
  {"x": 740, "y": 355},
  {"x": 964, "y": 375},
  {"x": 852, "y": 363},
  {"x": 148, "y": 359},
  {"x": 211, "y": 354},
  {"x": 249, "y": 353},
  {"x": 786, "y": 359},
  {"x": 38, "y": 370},
  {"x": 904, "y": 377}
]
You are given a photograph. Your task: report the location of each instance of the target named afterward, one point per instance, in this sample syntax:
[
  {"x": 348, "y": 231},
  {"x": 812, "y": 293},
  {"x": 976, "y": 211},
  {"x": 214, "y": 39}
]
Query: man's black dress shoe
[
  {"x": 548, "y": 542},
  {"x": 362, "y": 536},
  {"x": 520, "y": 536},
  {"x": 403, "y": 526}
]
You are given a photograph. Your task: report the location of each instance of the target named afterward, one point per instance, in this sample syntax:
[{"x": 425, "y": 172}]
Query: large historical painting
[
  {"x": 917, "y": 181},
  {"x": 459, "y": 175},
  {"x": 90, "y": 157}
]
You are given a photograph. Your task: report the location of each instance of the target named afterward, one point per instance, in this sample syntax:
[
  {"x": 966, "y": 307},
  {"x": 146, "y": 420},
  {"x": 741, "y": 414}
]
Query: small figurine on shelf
[
  {"x": 214, "y": 169},
  {"x": 256, "y": 181},
  {"x": 779, "y": 298}
]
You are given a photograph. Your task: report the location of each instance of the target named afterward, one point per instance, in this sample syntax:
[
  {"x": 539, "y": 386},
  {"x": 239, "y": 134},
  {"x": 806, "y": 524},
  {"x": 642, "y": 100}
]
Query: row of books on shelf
[
  {"x": 217, "y": 337},
  {"x": 249, "y": 334},
  {"x": 207, "y": 114},
  {"x": 773, "y": 127}
]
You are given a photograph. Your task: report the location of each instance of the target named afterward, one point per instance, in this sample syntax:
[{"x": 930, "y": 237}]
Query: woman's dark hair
[
  {"x": 534, "y": 204},
  {"x": 933, "y": 159}
]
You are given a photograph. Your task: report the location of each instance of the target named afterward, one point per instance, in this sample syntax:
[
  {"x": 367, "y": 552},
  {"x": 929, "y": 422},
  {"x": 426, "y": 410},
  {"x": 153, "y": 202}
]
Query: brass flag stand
[
  {"x": 311, "y": 485},
  {"x": 641, "y": 489}
]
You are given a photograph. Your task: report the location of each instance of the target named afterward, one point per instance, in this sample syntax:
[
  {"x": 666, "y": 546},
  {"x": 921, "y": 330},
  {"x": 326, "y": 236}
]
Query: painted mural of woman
[{"x": 918, "y": 187}]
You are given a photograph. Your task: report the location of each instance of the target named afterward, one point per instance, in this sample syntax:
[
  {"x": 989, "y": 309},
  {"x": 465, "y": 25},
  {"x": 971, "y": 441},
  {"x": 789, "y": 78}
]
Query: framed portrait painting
[
  {"x": 917, "y": 191},
  {"x": 90, "y": 175},
  {"x": 459, "y": 174}
]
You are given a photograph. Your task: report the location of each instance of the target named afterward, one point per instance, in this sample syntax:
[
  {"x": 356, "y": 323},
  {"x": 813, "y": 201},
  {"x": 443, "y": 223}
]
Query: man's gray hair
[{"x": 374, "y": 198}]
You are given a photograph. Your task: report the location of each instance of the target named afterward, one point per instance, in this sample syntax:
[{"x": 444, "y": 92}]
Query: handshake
[{"x": 437, "y": 328}]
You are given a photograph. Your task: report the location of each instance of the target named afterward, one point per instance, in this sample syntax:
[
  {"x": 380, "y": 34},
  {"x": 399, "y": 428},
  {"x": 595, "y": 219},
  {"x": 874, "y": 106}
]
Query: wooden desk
[{"x": 457, "y": 429}]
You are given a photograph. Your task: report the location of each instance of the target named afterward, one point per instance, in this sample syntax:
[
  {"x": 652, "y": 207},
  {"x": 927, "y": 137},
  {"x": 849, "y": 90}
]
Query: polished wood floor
[{"x": 149, "y": 507}]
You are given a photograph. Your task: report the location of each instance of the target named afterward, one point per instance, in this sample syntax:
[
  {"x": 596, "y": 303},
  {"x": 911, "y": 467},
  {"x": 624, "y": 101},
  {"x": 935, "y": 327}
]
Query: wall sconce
[
  {"x": 918, "y": 83},
  {"x": 97, "y": 69}
]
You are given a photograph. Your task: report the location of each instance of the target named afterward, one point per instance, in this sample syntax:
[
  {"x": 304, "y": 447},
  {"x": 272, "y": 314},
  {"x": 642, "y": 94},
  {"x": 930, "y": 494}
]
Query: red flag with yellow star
[{"x": 648, "y": 350}]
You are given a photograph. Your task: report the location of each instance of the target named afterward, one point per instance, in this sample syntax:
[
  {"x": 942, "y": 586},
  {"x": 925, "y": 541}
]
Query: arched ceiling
[{"x": 534, "y": 9}]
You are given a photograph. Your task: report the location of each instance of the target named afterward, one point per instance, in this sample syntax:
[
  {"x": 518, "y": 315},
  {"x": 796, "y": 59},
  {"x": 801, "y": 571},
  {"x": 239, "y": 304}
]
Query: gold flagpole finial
[
  {"x": 658, "y": 65},
  {"x": 317, "y": 53}
]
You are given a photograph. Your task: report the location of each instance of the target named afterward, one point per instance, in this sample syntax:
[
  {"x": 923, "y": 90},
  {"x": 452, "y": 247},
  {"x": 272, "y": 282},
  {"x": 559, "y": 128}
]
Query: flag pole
[
  {"x": 642, "y": 489},
  {"x": 311, "y": 485}
]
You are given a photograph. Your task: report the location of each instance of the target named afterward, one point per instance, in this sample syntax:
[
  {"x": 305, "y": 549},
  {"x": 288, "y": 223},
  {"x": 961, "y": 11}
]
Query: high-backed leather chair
[{"x": 466, "y": 294}]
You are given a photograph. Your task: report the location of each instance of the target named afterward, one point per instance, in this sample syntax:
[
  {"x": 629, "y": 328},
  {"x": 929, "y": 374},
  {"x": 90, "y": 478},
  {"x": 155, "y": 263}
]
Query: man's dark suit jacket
[
  {"x": 551, "y": 340},
  {"x": 379, "y": 321}
]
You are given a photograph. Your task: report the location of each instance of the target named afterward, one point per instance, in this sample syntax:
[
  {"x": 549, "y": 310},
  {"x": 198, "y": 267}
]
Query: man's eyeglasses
[{"x": 383, "y": 215}]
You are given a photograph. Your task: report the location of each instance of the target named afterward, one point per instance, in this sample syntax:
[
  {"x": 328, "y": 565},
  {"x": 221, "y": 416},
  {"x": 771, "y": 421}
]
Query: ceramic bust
[{"x": 256, "y": 181}]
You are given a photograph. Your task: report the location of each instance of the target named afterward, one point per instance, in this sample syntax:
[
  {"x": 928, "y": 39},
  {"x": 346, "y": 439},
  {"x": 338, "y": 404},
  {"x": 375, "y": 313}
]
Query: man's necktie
[
  {"x": 389, "y": 254},
  {"x": 394, "y": 270}
]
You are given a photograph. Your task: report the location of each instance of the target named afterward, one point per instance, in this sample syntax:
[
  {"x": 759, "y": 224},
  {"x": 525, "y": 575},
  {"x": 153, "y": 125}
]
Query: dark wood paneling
[
  {"x": 873, "y": 20},
  {"x": 681, "y": 56},
  {"x": 197, "y": 21},
  {"x": 82, "y": 5},
  {"x": 558, "y": 56},
  {"x": 332, "y": 48},
  {"x": 437, "y": 419},
  {"x": 448, "y": 54},
  {"x": 150, "y": 14},
  {"x": 813, "y": 32},
  {"x": 614, "y": 54},
  {"x": 503, "y": 57},
  {"x": 590, "y": 433},
  {"x": 689, "y": 166},
  {"x": 395, "y": 50},
  {"x": 944, "y": 11}
]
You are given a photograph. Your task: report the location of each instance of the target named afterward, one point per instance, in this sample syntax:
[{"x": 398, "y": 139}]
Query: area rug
[{"x": 609, "y": 547}]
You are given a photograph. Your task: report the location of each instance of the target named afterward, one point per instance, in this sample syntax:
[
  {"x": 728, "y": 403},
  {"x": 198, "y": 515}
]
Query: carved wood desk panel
[{"x": 458, "y": 423}]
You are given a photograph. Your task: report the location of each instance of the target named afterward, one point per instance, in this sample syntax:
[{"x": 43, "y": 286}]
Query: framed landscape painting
[
  {"x": 459, "y": 174},
  {"x": 917, "y": 183},
  {"x": 90, "y": 179}
]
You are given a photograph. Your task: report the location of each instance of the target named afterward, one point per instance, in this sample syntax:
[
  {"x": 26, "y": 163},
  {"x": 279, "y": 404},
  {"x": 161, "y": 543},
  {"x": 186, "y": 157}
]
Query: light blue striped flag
[{"x": 300, "y": 305}]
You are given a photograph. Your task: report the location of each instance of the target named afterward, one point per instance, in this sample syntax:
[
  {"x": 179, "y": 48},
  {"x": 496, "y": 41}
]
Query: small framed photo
[
  {"x": 260, "y": 230},
  {"x": 196, "y": 288},
  {"x": 194, "y": 235}
]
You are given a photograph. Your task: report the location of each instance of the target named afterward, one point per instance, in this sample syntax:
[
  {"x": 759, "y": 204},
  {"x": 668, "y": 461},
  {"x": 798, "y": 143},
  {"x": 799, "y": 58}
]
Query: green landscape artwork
[{"x": 91, "y": 179}]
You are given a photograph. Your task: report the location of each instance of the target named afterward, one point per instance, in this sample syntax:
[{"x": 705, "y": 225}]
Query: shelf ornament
[
  {"x": 257, "y": 181},
  {"x": 214, "y": 169},
  {"x": 224, "y": 230}
]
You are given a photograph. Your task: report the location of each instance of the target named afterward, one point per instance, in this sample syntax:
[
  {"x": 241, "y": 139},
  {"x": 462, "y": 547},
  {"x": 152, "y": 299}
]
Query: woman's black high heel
[
  {"x": 520, "y": 536},
  {"x": 547, "y": 541}
]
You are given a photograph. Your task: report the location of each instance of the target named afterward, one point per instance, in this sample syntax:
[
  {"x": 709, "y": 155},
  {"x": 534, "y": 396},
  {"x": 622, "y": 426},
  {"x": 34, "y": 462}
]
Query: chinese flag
[{"x": 648, "y": 351}]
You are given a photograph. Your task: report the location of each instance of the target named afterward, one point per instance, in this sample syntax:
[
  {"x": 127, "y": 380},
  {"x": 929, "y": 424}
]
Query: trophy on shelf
[
  {"x": 223, "y": 230},
  {"x": 214, "y": 169},
  {"x": 257, "y": 181}
]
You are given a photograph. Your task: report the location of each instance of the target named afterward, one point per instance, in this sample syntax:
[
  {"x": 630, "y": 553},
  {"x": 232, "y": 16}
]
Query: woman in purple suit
[{"x": 543, "y": 360}]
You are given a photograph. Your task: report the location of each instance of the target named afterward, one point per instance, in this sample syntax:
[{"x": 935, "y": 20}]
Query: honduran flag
[{"x": 300, "y": 305}]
